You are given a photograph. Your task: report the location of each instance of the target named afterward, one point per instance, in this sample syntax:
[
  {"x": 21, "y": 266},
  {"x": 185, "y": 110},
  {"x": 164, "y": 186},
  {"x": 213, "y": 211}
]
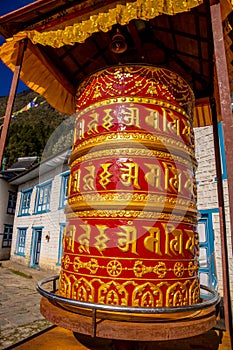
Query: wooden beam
[
  {"x": 11, "y": 98},
  {"x": 136, "y": 39},
  {"x": 19, "y": 19},
  {"x": 227, "y": 123},
  {"x": 172, "y": 54},
  {"x": 224, "y": 98}
]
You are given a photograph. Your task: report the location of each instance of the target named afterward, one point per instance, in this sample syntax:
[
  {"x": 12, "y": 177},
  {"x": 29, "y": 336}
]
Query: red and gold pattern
[
  {"x": 132, "y": 177},
  {"x": 136, "y": 81},
  {"x": 131, "y": 237}
]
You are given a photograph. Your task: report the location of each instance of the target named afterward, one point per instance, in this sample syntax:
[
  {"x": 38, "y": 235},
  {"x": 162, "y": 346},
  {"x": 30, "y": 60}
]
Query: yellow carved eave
[
  {"x": 226, "y": 8},
  {"x": 103, "y": 21},
  {"x": 104, "y": 18},
  {"x": 40, "y": 78}
]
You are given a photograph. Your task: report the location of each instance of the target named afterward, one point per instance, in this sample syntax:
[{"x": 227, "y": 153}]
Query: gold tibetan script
[{"x": 176, "y": 240}]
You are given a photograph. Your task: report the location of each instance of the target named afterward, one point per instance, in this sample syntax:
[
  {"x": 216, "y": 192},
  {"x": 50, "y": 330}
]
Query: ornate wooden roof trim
[{"x": 36, "y": 73}]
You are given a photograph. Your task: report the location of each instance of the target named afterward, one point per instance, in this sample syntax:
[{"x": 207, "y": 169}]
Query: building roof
[
  {"x": 43, "y": 167},
  {"x": 69, "y": 40},
  {"x": 23, "y": 163}
]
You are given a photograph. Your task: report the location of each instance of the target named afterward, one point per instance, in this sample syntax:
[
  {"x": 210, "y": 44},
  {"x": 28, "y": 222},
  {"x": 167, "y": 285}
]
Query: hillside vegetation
[{"x": 31, "y": 129}]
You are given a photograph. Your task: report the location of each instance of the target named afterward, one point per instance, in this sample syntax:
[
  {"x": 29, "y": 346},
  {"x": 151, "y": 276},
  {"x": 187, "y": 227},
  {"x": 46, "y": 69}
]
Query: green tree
[{"x": 30, "y": 130}]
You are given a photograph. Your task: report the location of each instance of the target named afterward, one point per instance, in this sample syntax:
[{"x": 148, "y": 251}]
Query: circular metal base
[
  {"x": 129, "y": 323},
  {"x": 126, "y": 330}
]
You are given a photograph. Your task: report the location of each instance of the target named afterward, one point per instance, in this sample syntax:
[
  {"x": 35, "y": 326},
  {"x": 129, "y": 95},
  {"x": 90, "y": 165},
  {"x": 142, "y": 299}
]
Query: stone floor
[{"x": 19, "y": 303}]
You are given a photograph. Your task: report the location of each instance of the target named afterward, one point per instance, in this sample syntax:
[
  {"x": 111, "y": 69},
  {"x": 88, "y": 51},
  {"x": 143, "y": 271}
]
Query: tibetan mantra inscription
[{"x": 131, "y": 237}]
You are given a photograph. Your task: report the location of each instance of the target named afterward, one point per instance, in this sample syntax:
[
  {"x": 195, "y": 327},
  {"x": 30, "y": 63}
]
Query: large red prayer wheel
[{"x": 131, "y": 237}]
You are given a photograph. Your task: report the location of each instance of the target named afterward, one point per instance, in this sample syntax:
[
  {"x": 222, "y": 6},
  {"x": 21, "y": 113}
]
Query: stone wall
[{"x": 208, "y": 198}]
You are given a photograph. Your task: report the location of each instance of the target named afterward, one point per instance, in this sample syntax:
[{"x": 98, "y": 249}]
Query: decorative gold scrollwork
[
  {"x": 140, "y": 269},
  {"x": 92, "y": 265},
  {"x": 177, "y": 294},
  {"x": 147, "y": 295},
  {"x": 192, "y": 268},
  {"x": 66, "y": 261},
  {"x": 114, "y": 268},
  {"x": 179, "y": 269},
  {"x": 160, "y": 269},
  {"x": 113, "y": 293}
]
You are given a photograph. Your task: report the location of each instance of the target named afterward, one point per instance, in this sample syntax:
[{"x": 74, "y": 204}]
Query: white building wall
[
  {"x": 5, "y": 218},
  {"x": 208, "y": 197},
  {"x": 49, "y": 221}
]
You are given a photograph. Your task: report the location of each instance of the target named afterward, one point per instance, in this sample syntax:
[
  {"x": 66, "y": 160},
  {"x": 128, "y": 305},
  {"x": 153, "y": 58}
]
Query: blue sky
[{"x": 7, "y": 6}]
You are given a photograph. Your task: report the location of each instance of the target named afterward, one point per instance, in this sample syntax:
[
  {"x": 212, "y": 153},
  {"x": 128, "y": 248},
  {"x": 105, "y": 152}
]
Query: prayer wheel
[{"x": 130, "y": 238}]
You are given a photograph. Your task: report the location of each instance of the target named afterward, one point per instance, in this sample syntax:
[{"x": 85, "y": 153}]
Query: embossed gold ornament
[
  {"x": 92, "y": 265},
  {"x": 179, "y": 269},
  {"x": 114, "y": 268},
  {"x": 140, "y": 269}
]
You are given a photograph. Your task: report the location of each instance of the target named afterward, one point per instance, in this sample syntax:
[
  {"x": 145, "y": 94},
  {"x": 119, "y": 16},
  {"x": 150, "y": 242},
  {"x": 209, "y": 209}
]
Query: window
[
  {"x": 64, "y": 190},
  {"x": 42, "y": 204},
  {"x": 60, "y": 245},
  {"x": 25, "y": 202},
  {"x": 36, "y": 246},
  {"x": 7, "y": 236},
  {"x": 207, "y": 271},
  {"x": 11, "y": 202},
  {"x": 21, "y": 240}
]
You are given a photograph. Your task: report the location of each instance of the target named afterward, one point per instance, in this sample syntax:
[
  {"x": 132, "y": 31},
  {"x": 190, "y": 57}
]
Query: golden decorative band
[
  {"x": 132, "y": 201},
  {"x": 129, "y": 214},
  {"x": 125, "y": 139},
  {"x": 154, "y": 271},
  {"x": 131, "y": 152},
  {"x": 123, "y": 258}
]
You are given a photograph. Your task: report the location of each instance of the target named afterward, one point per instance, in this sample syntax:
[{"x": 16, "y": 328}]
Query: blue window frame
[
  {"x": 36, "y": 246},
  {"x": 43, "y": 194},
  {"x": 21, "y": 240},
  {"x": 7, "y": 236},
  {"x": 207, "y": 271},
  {"x": 64, "y": 190},
  {"x": 11, "y": 202},
  {"x": 60, "y": 244},
  {"x": 25, "y": 202}
]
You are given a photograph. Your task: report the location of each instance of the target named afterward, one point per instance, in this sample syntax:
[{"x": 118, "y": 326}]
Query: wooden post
[
  {"x": 224, "y": 97},
  {"x": 11, "y": 98},
  {"x": 227, "y": 123},
  {"x": 222, "y": 218}
]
